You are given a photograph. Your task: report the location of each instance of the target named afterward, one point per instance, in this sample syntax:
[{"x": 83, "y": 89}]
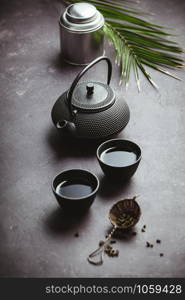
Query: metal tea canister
[{"x": 81, "y": 33}]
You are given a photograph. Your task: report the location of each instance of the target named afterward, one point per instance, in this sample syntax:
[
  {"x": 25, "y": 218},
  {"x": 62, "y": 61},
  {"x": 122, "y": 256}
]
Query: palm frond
[{"x": 137, "y": 42}]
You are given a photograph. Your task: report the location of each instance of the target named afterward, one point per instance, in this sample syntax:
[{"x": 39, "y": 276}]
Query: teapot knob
[{"x": 90, "y": 89}]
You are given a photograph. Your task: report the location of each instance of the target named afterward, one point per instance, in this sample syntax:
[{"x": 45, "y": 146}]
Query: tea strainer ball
[{"x": 124, "y": 214}]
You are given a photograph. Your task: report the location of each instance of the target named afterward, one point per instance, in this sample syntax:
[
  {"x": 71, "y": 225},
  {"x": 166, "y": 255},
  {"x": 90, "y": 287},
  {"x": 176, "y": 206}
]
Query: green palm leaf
[{"x": 137, "y": 43}]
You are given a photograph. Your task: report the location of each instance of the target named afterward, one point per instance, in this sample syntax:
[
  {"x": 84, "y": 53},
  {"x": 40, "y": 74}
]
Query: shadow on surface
[
  {"x": 126, "y": 235},
  {"x": 58, "y": 63},
  {"x": 70, "y": 146},
  {"x": 110, "y": 188},
  {"x": 58, "y": 222}
]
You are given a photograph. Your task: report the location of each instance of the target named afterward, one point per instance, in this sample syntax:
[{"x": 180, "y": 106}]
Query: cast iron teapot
[{"x": 90, "y": 109}]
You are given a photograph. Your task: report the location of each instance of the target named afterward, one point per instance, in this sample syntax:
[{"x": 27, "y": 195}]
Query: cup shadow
[
  {"x": 110, "y": 188},
  {"x": 58, "y": 222}
]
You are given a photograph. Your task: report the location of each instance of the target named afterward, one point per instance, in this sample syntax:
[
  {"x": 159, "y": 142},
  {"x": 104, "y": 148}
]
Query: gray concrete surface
[{"x": 36, "y": 239}]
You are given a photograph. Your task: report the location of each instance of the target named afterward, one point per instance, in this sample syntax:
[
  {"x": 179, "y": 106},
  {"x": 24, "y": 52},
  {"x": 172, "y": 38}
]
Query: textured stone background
[{"x": 36, "y": 239}]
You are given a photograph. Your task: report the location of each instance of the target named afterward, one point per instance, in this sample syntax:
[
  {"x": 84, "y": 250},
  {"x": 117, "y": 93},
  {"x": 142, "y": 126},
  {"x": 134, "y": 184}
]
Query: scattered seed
[
  {"x": 111, "y": 252},
  {"x": 142, "y": 230},
  {"x": 76, "y": 234},
  {"x": 144, "y": 226},
  {"x": 112, "y": 241},
  {"x": 147, "y": 244},
  {"x": 101, "y": 243},
  {"x": 108, "y": 250},
  {"x": 108, "y": 247},
  {"x": 158, "y": 241},
  {"x": 161, "y": 254}
]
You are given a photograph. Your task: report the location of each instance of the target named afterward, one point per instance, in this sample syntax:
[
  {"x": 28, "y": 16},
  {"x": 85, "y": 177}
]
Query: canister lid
[
  {"x": 81, "y": 13},
  {"x": 93, "y": 96},
  {"x": 82, "y": 17}
]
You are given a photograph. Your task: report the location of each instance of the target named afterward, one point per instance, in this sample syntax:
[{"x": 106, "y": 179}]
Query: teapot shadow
[
  {"x": 66, "y": 146},
  {"x": 58, "y": 222}
]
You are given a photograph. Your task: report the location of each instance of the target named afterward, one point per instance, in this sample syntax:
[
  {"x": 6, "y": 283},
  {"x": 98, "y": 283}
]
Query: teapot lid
[{"x": 93, "y": 96}]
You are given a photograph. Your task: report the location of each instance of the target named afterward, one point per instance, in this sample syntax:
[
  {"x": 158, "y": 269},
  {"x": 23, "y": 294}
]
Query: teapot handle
[{"x": 78, "y": 77}]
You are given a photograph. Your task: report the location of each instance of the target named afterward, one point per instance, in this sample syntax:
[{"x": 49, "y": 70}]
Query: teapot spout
[{"x": 66, "y": 127}]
